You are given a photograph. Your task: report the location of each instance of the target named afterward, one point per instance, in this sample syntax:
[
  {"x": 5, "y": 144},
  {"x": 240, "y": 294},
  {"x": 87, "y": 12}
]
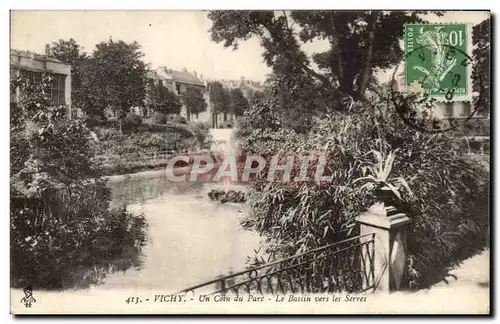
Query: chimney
[
  {"x": 194, "y": 72},
  {"x": 47, "y": 50}
]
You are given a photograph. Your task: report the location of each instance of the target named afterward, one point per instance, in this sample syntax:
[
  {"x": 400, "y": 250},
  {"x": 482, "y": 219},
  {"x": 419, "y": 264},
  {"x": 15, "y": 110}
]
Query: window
[
  {"x": 448, "y": 109},
  {"x": 33, "y": 77},
  {"x": 57, "y": 89},
  {"x": 467, "y": 109}
]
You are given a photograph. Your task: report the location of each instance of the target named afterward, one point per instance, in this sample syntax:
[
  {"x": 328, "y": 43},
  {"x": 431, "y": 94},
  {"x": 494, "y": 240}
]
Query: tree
[
  {"x": 481, "y": 36},
  {"x": 160, "y": 99},
  {"x": 194, "y": 101},
  {"x": 170, "y": 102},
  {"x": 219, "y": 97},
  {"x": 114, "y": 77},
  {"x": 257, "y": 97},
  {"x": 360, "y": 42},
  {"x": 69, "y": 52},
  {"x": 238, "y": 103}
]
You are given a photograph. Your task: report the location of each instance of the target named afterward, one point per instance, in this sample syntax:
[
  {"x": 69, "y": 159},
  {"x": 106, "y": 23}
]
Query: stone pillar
[
  {"x": 67, "y": 94},
  {"x": 389, "y": 257}
]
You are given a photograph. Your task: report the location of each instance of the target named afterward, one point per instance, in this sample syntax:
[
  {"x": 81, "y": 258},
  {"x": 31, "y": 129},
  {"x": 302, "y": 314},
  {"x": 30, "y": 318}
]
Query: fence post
[{"x": 389, "y": 250}]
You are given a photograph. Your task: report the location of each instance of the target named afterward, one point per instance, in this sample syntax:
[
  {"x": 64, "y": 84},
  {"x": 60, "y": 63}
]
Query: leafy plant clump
[
  {"x": 444, "y": 194},
  {"x": 159, "y": 118},
  {"x": 132, "y": 121},
  {"x": 178, "y": 119},
  {"x": 62, "y": 228},
  {"x": 201, "y": 133}
]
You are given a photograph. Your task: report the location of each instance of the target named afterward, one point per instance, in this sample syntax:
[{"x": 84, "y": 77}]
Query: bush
[
  {"x": 201, "y": 132},
  {"x": 448, "y": 208},
  {"x": 472, "y": 127},
  {"x": 131, "y": 121},
  {"x": 178, "y": 119},
  {"x": 147, "y": 138},
  {"x": 227, "y": 124},
  {"x": 159, "y": 118}
]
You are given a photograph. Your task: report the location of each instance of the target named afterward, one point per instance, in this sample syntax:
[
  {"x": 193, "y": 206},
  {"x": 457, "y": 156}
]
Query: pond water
[{"x": 190, "y": 238}]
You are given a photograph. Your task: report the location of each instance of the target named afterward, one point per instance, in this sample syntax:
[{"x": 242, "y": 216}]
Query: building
[
  {"x": 248, "y": 87},
  {"x": 33, "y": 66},
  {"x": 176, "y": 82}
]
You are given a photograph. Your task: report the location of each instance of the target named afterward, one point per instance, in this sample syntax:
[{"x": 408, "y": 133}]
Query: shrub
[
  {"x": 201, "y": 132},
  {"x": 178, "y": 119},
  {"x": 131, "y": 121},
  {"x": 227, "y": 124},
  {"x": 472, "y": 127},
  {"x": 147, "y": 138},
  {"x": 448, "y": 210},
  {"x": 158, "y": 118}
]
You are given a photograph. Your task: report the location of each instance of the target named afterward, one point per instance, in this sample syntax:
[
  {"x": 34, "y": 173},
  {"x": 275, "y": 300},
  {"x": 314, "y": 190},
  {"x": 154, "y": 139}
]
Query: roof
[
  {"x": 34, "y": 56},
  {"x": 242, "y": 84},
  {"x": 178, "y": 76},
  {"x": 185, "y": 76}
]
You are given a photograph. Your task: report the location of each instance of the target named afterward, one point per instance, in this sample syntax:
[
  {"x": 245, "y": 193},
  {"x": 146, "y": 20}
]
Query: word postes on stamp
[{"x": 437, "y": 60}]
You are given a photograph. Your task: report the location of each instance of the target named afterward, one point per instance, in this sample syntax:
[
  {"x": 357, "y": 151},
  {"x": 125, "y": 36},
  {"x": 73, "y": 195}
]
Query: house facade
[
  {"x": 178, "y": 83},
  {"x": 247, "y": 87},
  {"x": 32, "y": 66}
]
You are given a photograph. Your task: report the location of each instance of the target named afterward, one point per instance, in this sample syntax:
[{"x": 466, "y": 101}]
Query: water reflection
[{"x": 191, "y": 239}]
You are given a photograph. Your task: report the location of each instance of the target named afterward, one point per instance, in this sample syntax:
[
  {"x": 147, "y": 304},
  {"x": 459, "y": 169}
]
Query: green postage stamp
[{"x": 438, "y": 60}]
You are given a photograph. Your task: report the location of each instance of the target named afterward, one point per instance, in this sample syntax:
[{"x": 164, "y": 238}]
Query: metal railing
[{"x": 344, "y": 266}]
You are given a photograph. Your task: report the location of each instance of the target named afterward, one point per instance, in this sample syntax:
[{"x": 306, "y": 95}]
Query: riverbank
[{"x": 140, "y": 174}]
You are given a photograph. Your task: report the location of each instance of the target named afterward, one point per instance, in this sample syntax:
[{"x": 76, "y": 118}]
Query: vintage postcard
[{"x": 250, "y": 162}]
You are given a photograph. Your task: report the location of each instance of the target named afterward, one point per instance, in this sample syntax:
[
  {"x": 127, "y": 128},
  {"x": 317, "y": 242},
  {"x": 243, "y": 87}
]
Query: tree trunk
[
  {"x": 348, "y": 83},
  {"x": 368, "y": 68},
  {"x": 335, "y": 46}
]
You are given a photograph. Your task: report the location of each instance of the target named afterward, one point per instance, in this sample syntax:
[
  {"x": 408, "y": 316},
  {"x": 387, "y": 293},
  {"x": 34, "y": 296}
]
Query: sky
[{"x": 176, "y": 39}]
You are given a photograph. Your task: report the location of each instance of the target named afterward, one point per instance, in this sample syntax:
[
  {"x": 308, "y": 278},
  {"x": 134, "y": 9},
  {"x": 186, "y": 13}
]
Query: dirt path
[
  {"x": 465, "y": 291},
  {"x": 473, "y": 272}
]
